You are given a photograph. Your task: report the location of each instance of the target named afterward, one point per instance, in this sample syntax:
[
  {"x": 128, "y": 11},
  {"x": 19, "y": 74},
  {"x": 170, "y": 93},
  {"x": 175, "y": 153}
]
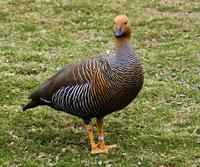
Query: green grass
[{"x": 160, "y": 128}]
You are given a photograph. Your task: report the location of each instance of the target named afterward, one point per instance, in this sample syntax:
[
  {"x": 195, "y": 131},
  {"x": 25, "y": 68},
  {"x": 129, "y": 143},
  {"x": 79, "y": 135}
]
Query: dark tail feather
[{"x": 35, "y": 103}]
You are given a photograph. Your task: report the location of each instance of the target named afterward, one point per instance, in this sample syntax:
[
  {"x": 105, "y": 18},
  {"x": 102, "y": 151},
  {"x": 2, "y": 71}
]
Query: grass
[{"x": 160, "y": 128}]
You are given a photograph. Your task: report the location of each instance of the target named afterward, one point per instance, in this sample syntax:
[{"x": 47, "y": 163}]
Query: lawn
[{"x": 161, "y": 128}]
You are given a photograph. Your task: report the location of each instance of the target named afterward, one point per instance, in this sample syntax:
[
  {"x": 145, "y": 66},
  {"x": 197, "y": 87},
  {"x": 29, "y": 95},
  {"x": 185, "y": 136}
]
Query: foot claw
[
  {"x": 98, "y": 151},
  {"x": 102, "y": 148},
  {"x": 111, "y": 146}
]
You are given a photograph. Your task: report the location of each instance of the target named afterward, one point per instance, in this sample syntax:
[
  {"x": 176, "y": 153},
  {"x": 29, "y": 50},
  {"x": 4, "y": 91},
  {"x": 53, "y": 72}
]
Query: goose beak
[{"x": 118, "y": 32}]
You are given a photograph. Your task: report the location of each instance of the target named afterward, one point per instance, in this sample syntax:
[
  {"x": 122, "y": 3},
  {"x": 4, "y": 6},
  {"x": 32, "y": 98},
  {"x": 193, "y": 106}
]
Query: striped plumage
[
  {"x": 105, "y": 85},
  {"x": 97, "y": 86}
]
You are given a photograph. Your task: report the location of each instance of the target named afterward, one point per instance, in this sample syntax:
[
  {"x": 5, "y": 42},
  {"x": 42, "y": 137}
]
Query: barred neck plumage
[{"x": 124, "y": 58}]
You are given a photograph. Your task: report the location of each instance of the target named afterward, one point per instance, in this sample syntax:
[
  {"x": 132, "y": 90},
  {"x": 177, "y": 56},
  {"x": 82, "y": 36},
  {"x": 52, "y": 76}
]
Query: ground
[{"x": 160, "y": 128}]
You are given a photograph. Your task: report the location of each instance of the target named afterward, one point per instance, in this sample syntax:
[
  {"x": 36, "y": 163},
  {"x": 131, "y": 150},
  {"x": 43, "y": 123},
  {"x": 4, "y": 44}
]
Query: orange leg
[
  {"x": 89, "y": 128},
  {"x": 101, "y": 147}
]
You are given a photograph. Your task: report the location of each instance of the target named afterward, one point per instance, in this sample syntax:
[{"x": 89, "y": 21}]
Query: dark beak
[{"x": 118, "y": 32}]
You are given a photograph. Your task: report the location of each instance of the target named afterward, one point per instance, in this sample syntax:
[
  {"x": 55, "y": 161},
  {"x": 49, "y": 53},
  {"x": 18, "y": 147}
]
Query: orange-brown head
[{"x": 122, "y": 28}]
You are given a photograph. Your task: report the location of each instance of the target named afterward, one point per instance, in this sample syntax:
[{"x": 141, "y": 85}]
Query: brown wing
[{"x": 70, "y": 75}]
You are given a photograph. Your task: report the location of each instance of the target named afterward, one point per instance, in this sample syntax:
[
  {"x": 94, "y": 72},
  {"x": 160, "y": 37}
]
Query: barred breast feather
[{"x": 95, "y": 87}]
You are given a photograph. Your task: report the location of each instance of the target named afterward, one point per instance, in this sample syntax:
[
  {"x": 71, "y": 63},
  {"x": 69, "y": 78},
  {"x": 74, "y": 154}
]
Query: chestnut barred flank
[{"x": 111, "y": 83}]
